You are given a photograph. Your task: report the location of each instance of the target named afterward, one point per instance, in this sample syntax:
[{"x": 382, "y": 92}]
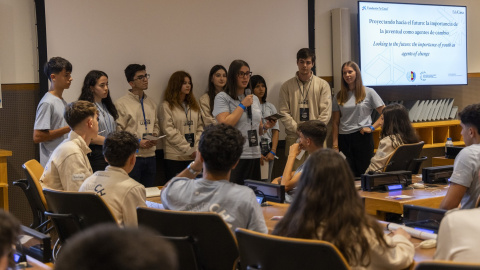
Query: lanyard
[
  {"x": 189, "y": 122},
  {"x": 303, "y": 90},
  {"x": 144, "y": 118}
]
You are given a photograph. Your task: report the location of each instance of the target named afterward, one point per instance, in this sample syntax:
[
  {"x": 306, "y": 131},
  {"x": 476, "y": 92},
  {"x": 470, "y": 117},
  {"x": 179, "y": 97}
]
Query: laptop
[
  {"x": 423, "y": 218},
  {"x": 267, "y": 191}
]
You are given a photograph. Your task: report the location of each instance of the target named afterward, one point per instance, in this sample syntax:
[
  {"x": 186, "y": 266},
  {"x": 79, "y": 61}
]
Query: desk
[
  {"x": 4, "y": 179},
  {"x": 442, "y": 161}
]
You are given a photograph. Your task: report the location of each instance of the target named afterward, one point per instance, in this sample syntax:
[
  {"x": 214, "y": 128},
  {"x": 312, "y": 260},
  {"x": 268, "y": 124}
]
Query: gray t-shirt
[
  {"x": 236, "y": 204},
  {"x": 355, "y": 116},
  {"x": 267, "y": 110},
  {"x": 465, "y": 173},
  {"x": 49, "y": 117},
  {"x": 224, "y": 103}
]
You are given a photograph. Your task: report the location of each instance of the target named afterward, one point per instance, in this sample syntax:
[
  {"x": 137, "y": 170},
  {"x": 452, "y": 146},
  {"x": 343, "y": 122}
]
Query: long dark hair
[
  {"x": 359, "y": 93},
  {"x": 327, "y": 207},
  {"x": 90, "y": 81},
  {"x": 211, "y": 86},
  {"x": 396, "y": 123},
  {"x": 232, "y": 77},
  {"x": 172, "y": 93},
  {"x": 256, "y": 79}
]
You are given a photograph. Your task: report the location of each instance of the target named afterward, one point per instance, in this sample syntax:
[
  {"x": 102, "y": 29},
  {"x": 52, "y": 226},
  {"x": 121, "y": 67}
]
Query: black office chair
[
  {"x": 72, "y": 212},
  {"x": 446, "y": 265},
  {"x": 263, "y": 251},
  {"x": 406, "y": 158},
  {"x": 33, "y": 191},
  {"x": 213, "y": 247}
]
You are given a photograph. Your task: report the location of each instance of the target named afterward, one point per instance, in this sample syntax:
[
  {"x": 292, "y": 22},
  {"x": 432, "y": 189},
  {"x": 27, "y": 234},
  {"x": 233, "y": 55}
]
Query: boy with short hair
[
  {"x": 50, "y": 127},
  {"x": 218, "y": 153},
  {"x": 68, "y": 165},
  {"x": 121, "y": 193}
]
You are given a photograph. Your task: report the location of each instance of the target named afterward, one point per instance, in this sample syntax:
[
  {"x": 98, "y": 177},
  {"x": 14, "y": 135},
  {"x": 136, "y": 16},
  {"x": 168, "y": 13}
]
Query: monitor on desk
[
  {"x": 423, "y": 218},
  {"x": 35, "y": 244},
  {"x": 272, "y": 192}
]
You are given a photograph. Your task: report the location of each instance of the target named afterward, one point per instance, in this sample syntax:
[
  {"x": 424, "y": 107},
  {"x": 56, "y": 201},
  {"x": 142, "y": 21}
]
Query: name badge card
[
  {"x": 304, "y": 114},
  {"x": 190, "y": 137},
  {"x": 252, "y": 138}
]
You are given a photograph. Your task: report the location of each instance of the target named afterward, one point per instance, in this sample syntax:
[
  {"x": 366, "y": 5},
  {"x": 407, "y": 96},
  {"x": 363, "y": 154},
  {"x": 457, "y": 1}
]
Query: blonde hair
[{"x": 359, "y": 87}]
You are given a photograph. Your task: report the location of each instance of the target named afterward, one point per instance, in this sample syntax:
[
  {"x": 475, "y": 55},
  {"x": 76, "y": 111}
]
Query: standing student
[
  {"x": 95, "y": 89},
  {"x": 50, "y": 127},
  {"x": 181, "y": 123},
  {"x": 352, "y": 121},
  {"x": 137, "y": 114},
  {"x": 327, "y": 207},
  {"x": 269, "y": 140},
  {"x": 396, "y": 131},
  {"x": 303, "y": 97},
  {"x": 236, "y": 108},
  {"x": 217, "y": 80}
]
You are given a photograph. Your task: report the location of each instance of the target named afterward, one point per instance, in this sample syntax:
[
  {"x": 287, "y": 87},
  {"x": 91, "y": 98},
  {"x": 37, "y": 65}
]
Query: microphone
[{"x": 248, "y": 91}]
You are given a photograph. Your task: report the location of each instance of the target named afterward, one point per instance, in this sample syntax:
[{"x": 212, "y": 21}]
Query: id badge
[
  {"x": 264, "y": 146},
  {"x": 190, "y": 137},
  {"x": 304, "y": 114},
  {"x": 252, "y": 138},
  {"x": 145, "y": 134}
]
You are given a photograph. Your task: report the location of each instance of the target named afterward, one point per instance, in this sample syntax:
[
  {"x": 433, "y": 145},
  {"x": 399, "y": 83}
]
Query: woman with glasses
[
  {"x": 352, "y": 125},
  {"x": 269, "y": 140},
  {"x": 181, "y": 123},
  {"x": 396, "y": 130},
  {"x": 95, "y": 89},
  {"x": 327, "y": 207},
  {"x": 217, "y": 80},
  {"x": 238, "y": 107}
]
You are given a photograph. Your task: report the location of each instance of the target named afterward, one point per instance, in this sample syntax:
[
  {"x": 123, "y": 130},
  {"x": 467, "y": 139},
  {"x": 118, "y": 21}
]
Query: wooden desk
[
  {"x": 38, "y": 265},
  {"x": 442, "y": 161},
  {"x": 4, "y": 179}
]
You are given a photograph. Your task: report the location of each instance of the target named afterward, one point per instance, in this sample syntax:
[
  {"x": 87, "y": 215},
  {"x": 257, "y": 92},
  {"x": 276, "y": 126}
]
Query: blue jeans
[{"x": 144, "y": 171}]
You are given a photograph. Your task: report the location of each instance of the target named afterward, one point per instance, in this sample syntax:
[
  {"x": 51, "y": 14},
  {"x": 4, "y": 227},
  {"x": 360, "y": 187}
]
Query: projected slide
[{"x": 409, "y": 44}]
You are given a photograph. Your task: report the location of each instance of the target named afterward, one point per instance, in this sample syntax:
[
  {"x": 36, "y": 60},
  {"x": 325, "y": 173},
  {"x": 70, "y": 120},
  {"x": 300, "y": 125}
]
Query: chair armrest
[{"x": 21, "y": 183}]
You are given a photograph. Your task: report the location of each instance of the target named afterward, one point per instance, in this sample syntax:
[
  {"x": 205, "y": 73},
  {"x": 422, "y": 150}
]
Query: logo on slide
[
  {"x": 411, "y": 76},
  {"x": 364, "y": 8}
]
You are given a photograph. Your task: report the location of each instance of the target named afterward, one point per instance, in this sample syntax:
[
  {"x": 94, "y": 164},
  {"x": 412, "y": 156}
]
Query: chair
[
  {"x": 446, "y": 265},
  {"x": 263, "y": 251},
  {"x": 72, "y": 212},
  {"x": 33, "y": 191},
  {"x": 214, "y": 245},
  {"x": 406, "y": 158}
]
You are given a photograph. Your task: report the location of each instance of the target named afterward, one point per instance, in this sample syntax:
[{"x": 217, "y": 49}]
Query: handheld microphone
[{"x": 248, "y": 91}]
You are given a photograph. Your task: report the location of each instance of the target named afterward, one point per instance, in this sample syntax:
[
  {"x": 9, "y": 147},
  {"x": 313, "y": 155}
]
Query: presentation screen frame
[{"x": 387, "y": 68}]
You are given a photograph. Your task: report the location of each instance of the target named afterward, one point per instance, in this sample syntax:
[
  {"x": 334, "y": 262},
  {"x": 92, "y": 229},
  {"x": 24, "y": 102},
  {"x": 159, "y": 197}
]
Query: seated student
[
  {"x": 122, "y": 193},
  {"x": 396, "y": 130},
  {"x": 459, "y": 237},
  {"x": 311, "y": 135},
  {"x": 107, "y": 246},
  {"x": 68, "y": 165},
  {"x": 327, "y": 207},
  {"x": 219, "y": 150},
  {"x": 464, "y": 186},
  {"x": 9, "y": 231}
]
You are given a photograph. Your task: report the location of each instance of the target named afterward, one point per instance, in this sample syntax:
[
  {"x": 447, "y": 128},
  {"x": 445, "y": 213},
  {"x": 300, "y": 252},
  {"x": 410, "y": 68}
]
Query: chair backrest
[
  {"x": 402, "y": 158},
  {"x": 72, "y": 212},
  {"x": 263, "y": 251},
  {"x": 214, "y": 244},
  {"x": 446, "y": 265},
  {"x": 34, "y": 171}
]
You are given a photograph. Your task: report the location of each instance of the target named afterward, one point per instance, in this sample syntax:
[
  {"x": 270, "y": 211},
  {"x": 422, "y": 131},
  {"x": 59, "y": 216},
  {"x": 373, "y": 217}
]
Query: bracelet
[
  {"x": 273, "y": 153},
  {"x": 372, "y": 128},
  {"x": 242, "y": 106},
  {"x": 191, "y": 170}
]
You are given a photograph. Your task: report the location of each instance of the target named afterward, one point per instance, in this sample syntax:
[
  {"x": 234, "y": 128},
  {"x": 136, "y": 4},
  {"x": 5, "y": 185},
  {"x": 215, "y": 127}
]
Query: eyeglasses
[
  {"x": 243, "y": 74},
  {"x": 140, "y": 78}
]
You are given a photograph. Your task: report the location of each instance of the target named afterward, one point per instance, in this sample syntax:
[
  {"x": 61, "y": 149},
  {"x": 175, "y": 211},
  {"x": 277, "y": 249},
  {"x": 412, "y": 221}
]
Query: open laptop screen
[{"x": 423, "y": 218}]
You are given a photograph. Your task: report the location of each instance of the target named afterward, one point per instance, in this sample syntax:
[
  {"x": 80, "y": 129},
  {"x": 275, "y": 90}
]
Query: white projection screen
[{"x": 168, "y": 36}]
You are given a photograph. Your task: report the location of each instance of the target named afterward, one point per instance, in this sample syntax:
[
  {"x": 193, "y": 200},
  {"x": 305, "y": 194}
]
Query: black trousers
[
  {"x": 174, "y": 167},
  {"x": 358, "y": 149},
  {"x": 246, "y": 169},
  {"x": 96, "y": 158}
]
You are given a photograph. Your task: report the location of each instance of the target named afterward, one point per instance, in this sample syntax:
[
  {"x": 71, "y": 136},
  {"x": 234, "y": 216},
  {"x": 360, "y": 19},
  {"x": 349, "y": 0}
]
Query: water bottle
[{"x": 449, "y": 143}]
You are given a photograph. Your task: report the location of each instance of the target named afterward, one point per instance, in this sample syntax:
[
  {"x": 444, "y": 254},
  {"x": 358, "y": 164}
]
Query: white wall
[{"x": 18, "y": 42}]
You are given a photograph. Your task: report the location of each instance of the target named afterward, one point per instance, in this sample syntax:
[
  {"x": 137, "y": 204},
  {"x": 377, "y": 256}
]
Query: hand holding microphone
[{"x": 248, "y": 101}]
